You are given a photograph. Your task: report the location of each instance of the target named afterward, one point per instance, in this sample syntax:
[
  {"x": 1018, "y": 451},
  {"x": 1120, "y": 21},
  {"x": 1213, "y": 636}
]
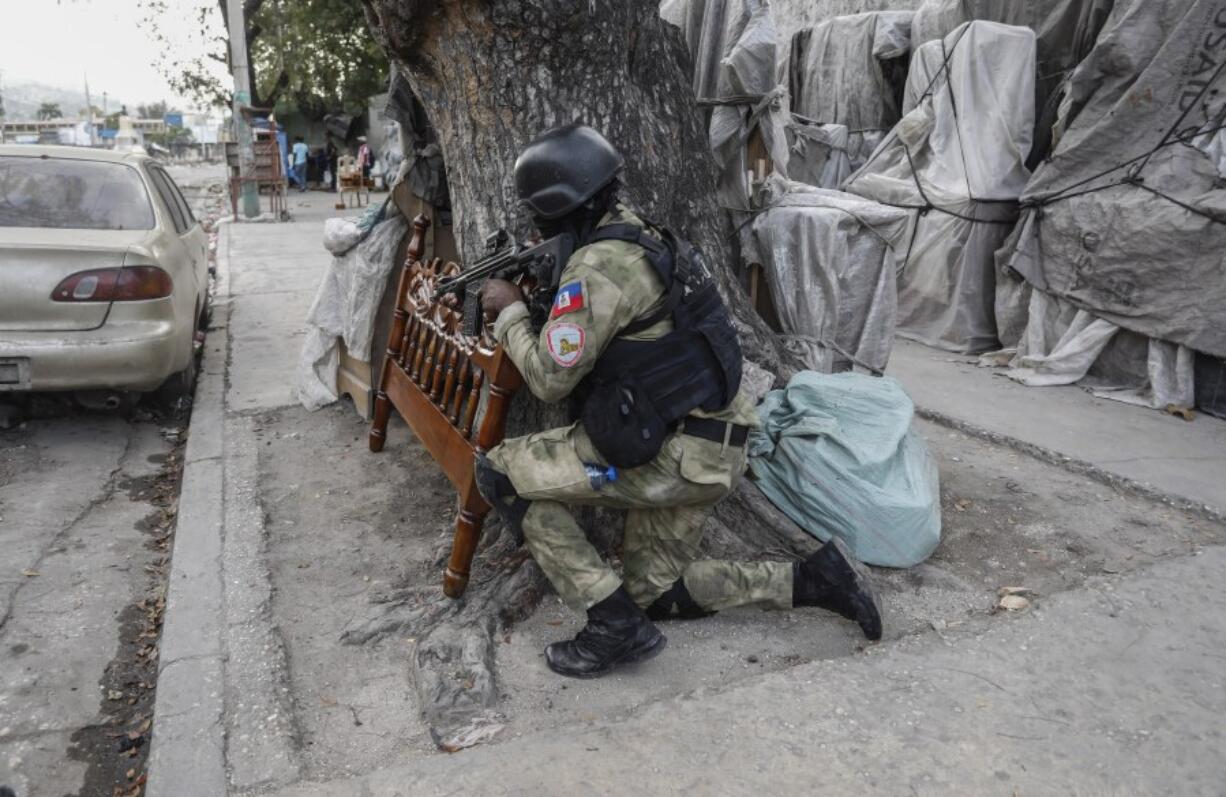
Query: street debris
[
  {"x": 482, "y": 728},
  {"x": 1012, "y": 599}
]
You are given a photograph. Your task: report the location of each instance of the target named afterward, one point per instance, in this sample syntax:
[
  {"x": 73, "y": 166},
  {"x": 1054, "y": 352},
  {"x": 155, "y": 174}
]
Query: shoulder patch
[
  {"x": 565, "y": 344},
  {"x": 569, "y": 299}
]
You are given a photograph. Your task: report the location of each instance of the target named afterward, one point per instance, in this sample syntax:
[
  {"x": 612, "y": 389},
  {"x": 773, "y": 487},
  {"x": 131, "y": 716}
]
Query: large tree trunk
[
  {"x": 491, "y": 75},
  {"x": 494, "y": 74}
]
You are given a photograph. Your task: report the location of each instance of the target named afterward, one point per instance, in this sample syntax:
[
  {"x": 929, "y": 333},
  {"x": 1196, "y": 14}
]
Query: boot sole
[{"x": 632, "y": 657}]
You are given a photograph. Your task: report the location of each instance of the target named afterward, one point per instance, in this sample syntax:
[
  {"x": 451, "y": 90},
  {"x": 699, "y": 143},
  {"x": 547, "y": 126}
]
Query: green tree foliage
[
  {"x": 50, "y": 110},
  {"x": 154, "y": 110},
  {"x": 316, "y": 56}
]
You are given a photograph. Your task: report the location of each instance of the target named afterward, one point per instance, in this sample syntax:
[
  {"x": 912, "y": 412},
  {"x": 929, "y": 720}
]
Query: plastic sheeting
[
  {"x": 1064, "y": 345},
  {"x": 957, "y": 162},
  {"x": 829, "y": 259},
  {"x": 837, "y": 74},
  {"x": 748, "y": 70},
  {"x": 346, "y": 303},
  {"x": 837, "y": 455},
  {"x": 1133, "y": 221},
  {"x": 733, "y": 45},
  {"x": 1066, "y": 30},
  {"x": 819, "y": 155},
  {"x": 426, "y": 173}
]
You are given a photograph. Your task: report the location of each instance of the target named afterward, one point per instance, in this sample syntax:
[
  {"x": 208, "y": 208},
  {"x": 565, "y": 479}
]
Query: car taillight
[{"x": 128, "y": 284}]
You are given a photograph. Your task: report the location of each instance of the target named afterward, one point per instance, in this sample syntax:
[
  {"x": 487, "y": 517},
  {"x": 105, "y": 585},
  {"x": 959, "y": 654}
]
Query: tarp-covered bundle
[
  {"x": 836, "y": 453},
  {"x": 347, "y": 301},
  {"x": 845, "y": 72},
  {"x": 1125, "y": 226},
  {"x": 1128, "y": 219},
  {"x": 829, "y": 258},
  {"x": 1066, "y": 30},
  {"x": 733, "y": 44},
  {"x": 957, "y": 163}
]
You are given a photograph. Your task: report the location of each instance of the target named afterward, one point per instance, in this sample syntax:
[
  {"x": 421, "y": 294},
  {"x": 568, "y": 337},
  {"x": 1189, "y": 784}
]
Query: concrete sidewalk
[
  {"x": 1176, "y": 460},
  {"x": 286, "y": 653},
  {"x": 216, "y": 649},
  {"x": 1116, "y": 689}
]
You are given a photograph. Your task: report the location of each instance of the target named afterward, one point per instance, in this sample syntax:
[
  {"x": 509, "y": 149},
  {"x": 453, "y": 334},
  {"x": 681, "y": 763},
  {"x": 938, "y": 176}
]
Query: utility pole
[
  {"x": 242, "y": 99},
  {"x": 89, "y": 113}
]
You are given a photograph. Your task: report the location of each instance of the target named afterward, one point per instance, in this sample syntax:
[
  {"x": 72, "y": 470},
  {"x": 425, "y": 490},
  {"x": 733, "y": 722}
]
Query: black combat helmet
[{"x": 563, "y": 168}]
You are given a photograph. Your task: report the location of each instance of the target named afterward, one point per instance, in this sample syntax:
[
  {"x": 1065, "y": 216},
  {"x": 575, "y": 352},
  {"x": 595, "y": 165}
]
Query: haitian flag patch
[{"x": 568, "y": 300}]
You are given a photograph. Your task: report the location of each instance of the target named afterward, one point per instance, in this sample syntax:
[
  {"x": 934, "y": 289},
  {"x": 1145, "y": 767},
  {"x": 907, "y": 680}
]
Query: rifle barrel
[{"x": 482, "y": 268}]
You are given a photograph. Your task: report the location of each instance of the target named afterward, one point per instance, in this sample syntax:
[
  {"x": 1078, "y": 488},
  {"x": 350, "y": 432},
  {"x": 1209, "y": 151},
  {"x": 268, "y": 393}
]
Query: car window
[
  {"x": 162, "y": 183},
  {"x": 71, "y": 194},
  {"x": 183, "y": 206}
]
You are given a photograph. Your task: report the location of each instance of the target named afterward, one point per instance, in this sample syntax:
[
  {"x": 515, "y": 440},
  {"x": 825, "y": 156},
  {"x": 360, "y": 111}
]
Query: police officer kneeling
[{"x": 639, "y": 338}]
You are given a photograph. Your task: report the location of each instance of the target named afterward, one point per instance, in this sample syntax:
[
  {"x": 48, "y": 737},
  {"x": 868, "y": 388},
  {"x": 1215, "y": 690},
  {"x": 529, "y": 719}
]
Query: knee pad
[
  {"x": 677, "y": 597},
  {"x": 496, "y": 488}
]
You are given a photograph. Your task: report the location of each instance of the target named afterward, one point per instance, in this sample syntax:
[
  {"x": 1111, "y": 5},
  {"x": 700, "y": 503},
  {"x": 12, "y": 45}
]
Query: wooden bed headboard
[{"x": 435, "y": 376}]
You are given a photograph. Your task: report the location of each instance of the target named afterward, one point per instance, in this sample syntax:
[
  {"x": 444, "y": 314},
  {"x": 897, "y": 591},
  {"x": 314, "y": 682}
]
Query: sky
[{"x": 59, "y": 42}]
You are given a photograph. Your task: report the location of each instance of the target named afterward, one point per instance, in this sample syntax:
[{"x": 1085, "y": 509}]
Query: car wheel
[
  {"x": 206, "y": 315},
  {"x": 178, "y": 386}
]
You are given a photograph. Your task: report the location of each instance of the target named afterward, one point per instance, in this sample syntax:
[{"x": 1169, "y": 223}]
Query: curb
[
  {"x": 187, "y": 752},
  {"x": 1078, "y": 466}
]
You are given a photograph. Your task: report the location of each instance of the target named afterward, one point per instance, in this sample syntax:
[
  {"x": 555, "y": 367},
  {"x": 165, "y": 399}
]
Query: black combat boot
[
  {"x": 832, "y": 579},
  {"x": 617, "y": 632}
]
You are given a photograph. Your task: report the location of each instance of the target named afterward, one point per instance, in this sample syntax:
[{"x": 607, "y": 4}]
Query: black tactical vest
[{"x": 640, "y": 389}]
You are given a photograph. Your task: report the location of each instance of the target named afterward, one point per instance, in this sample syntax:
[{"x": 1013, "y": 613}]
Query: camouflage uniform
[{"x": 605, "y": 287}]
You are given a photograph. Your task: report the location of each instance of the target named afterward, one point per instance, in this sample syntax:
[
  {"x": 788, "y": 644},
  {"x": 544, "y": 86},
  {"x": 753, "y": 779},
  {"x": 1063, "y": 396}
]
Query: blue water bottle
[{"x": 600, "y": 475}]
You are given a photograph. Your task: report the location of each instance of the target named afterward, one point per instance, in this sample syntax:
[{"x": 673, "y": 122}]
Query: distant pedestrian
[
  {"x": 365, "y": 161},
  {"x": 331, "y": 155},
  {"x": 298, "y": 173}
]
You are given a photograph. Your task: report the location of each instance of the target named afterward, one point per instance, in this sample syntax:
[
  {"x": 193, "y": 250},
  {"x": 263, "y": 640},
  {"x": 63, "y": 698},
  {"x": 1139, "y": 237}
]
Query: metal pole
[
  {"x": 89, "y": 112},
  {"x": 242, "y": 99}
]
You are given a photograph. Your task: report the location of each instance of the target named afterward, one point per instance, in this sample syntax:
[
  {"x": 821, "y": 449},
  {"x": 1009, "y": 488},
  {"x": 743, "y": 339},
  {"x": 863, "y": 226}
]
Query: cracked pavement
[{"x": 75, "y": 542}]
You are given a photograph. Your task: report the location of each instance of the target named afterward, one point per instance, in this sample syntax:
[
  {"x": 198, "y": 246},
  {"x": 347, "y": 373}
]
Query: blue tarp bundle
[{"x": 837, "y": 455}]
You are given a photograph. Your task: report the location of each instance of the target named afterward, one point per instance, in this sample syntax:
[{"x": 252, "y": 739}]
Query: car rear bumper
[{"x": 130, "y": 356}]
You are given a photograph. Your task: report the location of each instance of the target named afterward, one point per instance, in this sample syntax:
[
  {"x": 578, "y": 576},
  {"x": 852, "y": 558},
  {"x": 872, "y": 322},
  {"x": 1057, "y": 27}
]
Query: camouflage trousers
[{"x": 667, "y": 501}]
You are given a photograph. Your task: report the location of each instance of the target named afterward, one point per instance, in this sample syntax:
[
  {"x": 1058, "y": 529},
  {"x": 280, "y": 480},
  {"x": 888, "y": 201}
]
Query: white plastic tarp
[
  {"x": 1133, "y": 200},
  {"x": 829, "y": 259},
  {"x": 1064, "y": 345},
  {"x": 748, "y": 70},
  {"x": 957, "y": 162},
  {"x": 836, "y": 75},
  {"x": 818, "y": 155},
  {"x": 346, "y": 303},
  {"x": 1065, "y": 30},
  {"x": 837, "y": 455},
  {"x": 733, "y": 44}
]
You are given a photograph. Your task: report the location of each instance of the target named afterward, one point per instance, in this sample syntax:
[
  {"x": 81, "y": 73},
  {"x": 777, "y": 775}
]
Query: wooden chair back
[{"x": 435, "y": 377}]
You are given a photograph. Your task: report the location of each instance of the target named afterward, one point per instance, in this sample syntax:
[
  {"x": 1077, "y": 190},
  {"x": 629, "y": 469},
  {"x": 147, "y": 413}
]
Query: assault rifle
[{"x": 535, "y": 267}]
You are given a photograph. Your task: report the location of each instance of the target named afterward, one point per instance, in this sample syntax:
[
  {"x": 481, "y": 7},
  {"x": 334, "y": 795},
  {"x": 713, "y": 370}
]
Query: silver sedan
[{"x": 103, "y": 273}]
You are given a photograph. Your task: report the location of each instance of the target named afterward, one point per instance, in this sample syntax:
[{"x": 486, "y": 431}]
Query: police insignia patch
[
  {"x": 565, "y": 344},
  {"x": 568, "y": 300}
]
